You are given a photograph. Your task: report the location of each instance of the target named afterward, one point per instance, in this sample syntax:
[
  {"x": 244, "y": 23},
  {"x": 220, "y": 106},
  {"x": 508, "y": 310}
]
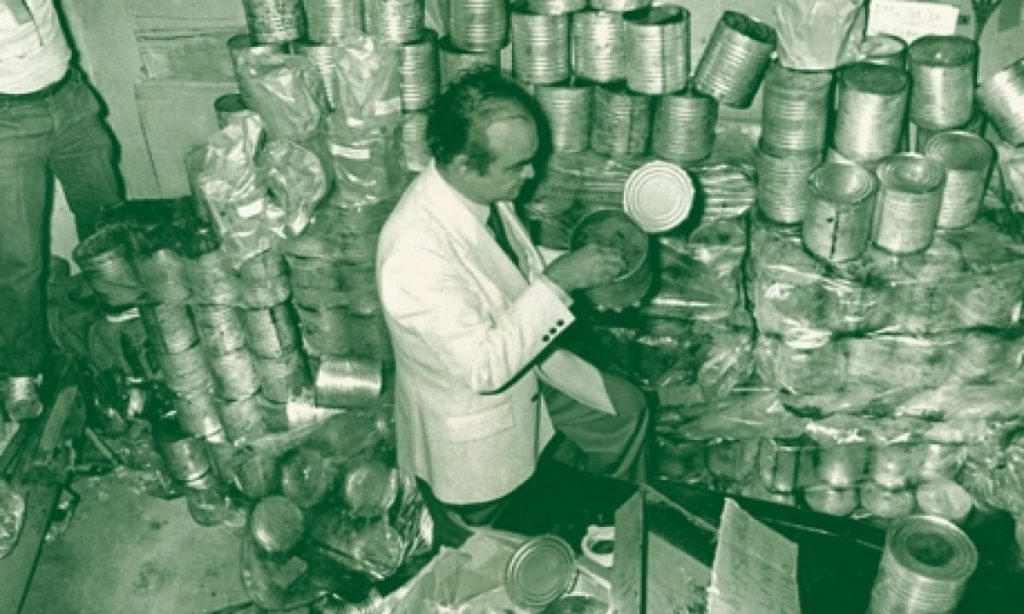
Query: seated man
[{"x": 475, "y": 313}]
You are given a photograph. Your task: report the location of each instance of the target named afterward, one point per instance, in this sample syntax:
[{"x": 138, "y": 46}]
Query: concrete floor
[{"x": 127, "y": 552}]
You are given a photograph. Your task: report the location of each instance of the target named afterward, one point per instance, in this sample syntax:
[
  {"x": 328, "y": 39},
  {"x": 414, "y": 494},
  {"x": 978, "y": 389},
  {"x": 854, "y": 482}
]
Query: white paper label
[{"x": 911, "y": 20}]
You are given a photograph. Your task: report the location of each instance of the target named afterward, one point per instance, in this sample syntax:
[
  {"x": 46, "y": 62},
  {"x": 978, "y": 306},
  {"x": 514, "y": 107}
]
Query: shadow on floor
[{"x": 128, "y": 552}]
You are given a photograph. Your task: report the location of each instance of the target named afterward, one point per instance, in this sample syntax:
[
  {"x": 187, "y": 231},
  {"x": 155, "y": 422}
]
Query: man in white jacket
[{"x": 475, "y": 313}]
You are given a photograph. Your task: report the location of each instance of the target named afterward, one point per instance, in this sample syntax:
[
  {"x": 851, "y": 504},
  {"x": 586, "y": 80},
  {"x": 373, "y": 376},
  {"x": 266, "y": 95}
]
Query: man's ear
[{"x": 460, "y": 164}]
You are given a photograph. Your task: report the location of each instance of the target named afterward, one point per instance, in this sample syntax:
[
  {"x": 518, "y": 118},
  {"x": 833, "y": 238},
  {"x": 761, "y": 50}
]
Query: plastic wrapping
[
  {"x": 968, "y": 278},
  {"x": 223, "y": 177},
  {"x": 297, "y": 178},
  {"x": 12, "y": 518},
  {"x": 286, "y": 91},
  {"x": 368, "y": 85},
  {"x": 818, "y": 34},
  {"x": 367, "y": 162}
]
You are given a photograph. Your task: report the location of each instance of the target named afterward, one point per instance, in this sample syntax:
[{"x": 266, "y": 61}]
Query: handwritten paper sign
[
  {"x": 911, "y": 20},
  {"x": 754, "y": 570}
]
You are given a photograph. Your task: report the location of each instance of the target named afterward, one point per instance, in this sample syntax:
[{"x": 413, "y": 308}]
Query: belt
[{"x": 40, "y": 94}]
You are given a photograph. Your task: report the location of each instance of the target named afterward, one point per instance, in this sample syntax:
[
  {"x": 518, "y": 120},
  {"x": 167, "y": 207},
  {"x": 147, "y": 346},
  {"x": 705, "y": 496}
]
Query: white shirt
[{"x": 34, "y": 53}]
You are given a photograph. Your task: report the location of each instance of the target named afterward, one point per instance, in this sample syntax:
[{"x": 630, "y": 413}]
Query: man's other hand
[{"x": 589, "y": 266}]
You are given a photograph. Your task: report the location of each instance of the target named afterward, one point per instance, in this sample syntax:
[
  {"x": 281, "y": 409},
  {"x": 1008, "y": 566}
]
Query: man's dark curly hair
[{"x": 463, "y": 112}]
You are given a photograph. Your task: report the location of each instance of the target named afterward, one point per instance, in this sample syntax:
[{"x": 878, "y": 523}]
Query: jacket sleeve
[{"x": 429, "y": 296}]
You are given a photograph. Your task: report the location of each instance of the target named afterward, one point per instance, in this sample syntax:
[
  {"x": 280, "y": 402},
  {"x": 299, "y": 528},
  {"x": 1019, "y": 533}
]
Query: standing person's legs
[
  {"x": 25, "y": 139},
  {"x": 615, "y": 446},
  {"x": 83, "y": 155}
]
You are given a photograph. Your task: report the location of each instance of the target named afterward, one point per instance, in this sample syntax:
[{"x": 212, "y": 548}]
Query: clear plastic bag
[{"x": 12, "y": 518}]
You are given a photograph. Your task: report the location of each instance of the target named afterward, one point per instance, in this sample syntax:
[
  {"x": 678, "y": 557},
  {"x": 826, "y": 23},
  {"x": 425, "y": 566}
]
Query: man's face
[{"x": 513, "y": 143}]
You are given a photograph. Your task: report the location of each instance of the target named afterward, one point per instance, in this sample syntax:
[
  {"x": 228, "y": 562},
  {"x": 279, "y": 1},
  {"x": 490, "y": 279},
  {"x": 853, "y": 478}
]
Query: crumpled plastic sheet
[
  {"x": 819, "y": 34},
  {"x": 286, "y": 91}
]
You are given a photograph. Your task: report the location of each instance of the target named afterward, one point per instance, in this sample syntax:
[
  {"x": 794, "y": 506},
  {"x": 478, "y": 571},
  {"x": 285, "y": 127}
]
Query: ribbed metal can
[
  {"x": 281, "y": 377},
  {"x": 943, "y": 70},
  {"x": 657, "y": 42},
  {"x": 598, "y": 46},
  {"x": 1001, "y": 96},
  {"x": 274, "y": 21},
  {"x": 270, "y": 332},
  {"x": 622, "y": 121},
  {"x": 478, "y": 25},
  {"x": 329, "y": 21},
  {"x": 169, "y": 327},
  {"x": 909, "y": 197},
  {"x": 837, "y": 224},
  {"x": 872, "y": 103},
  {"x": 220, "y": 329},
  {"x": 841, "y": 465},
  {"x": 234, "y": 374},
  {"x": 420, "y": 72},
  {"x": 735, "y": 59},
  {"x": 321, "y": 56},
  {"x": 414, "y": 141},
  {"x": 327, "y": 330},
  {"x": 795, "y": 109},
  {"x": 783, "y": 192},
  {"x": 211, "y": 278},
  {"x": 241, "y": 419},
  {"x": 968, "y": 160},
  {"x": 619, "y": 6},
  {"x": 184, "y": 371},
  {"x": 162, "y": 275},
  {"x": 455, "y": 62},
  {"x": 397, "y": 21},
  {"x": 107, "y": 266},
  {"x": 568, "y": 108},
  {"x": 684, "y": 126},
  {"x": 267, "y": 292},
  {"x": 197, "y": 413},
  {"x": 185, "y": 456},
  {"x": 555, "y": 7},
  {"x": 923, "y": 135},
  {"x": 884, "y": 49},
  {"x": 540, "y": 47},
  {"x": 348, "y": 382}
]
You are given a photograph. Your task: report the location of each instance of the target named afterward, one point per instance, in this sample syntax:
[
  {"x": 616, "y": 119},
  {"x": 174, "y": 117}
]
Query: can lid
[{"x": 540, "y": 571}]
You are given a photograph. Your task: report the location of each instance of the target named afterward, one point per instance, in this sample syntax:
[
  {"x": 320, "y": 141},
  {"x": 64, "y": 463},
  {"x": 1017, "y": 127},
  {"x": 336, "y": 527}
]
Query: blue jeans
[{"x": 57, "y": 134}]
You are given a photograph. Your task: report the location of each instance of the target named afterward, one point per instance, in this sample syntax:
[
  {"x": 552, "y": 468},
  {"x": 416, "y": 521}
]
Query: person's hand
[{"x": 589, "y": 266}]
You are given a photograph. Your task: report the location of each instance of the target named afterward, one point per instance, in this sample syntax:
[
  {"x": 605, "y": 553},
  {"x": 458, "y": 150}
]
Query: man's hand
[{"x": 589, "y": 266}]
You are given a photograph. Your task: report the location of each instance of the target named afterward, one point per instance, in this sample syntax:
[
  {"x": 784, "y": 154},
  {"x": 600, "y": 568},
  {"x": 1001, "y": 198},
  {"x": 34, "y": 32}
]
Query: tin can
[
  {"x": 968, "y": 160},
  {"x": 871, "y": 105},
  {"x": 733, "y": 460},
  {"x": 894, "y": 465},
  {"x": 241, "y": 419},
  {"x": 841, "y": 465},
  {"x": 456, "y": 62},
  {"x": 943, "y": 70},
  {"x": 348, "y": 382},
  {"x": 779, "y": 462},
  {"x": 307, "y": 476},
  {"x": 735, "y": 59},
  {"x": 270, "y": 332},
  {"x": 277, "y": 524},
  {"x": 478, "y": 25},
  {"x": 831, "y": 500},
  {"x": 598, "y": 46},
  {"x": 568, "y": 108},
  {"x": 220, "y": 329},
  {"x": 197, "y": 413},
  {"x": 185, "y": 371},
  {"x": 161, "y": 274},
  {"x": 885, "y": 502},
  {"x": 234, "y": 374},
  {"x": 105, "y": 264},
  {"x": 795, "y": 109},
  {"x": 540, "y": 571},
  {"x": 657, "y": 44},
  {"x": 783, "y": 191},
  {"x": 942, "y": 460},
  {"x": 330, "y": 21},
  {"x": 837, "y": 224},
  {"x": 884, "y": 49},
  {"x": 281, "y": 377},
  {"x": 185, "y": 457},
  {"x": 622, "y": 121},
  {"x": 396, "y": 21},
  {"x": 540, "y": 47},
  {"x": 420, "y": 72},
  {"x": 169, "y": 327},
  {"x": 229, "y": 108},
  {"x": 684, "y": 127},
  {"x": 1001, "y": 97},
  {"x": 910, "y": 190}
]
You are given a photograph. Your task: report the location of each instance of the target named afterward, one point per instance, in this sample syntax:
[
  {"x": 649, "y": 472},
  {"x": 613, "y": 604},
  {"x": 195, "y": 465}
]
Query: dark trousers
[
  {"x": 57, "y": 134},
  {"x": 568, "y": 491}
]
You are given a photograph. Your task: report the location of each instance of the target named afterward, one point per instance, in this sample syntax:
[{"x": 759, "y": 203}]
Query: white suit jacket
[{"x": 471, "y": 337}]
